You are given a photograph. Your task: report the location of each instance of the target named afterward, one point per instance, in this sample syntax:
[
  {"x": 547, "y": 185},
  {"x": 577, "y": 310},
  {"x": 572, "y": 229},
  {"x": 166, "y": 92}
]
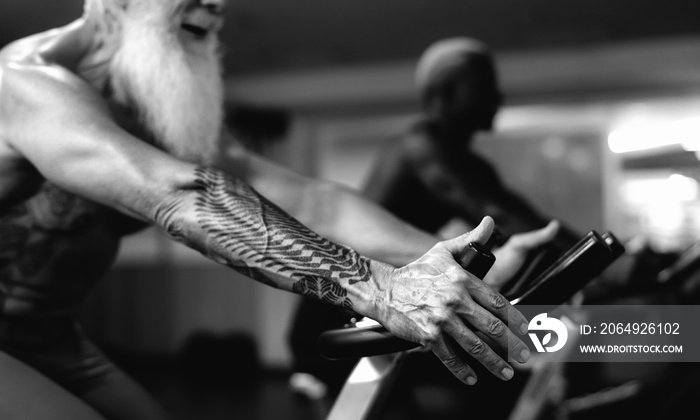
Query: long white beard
[{"x": 176, "y": 92}]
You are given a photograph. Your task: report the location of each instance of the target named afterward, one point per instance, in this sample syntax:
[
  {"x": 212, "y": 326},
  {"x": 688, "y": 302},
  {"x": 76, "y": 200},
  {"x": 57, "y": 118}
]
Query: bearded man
[{"x": 114, "y": 122}]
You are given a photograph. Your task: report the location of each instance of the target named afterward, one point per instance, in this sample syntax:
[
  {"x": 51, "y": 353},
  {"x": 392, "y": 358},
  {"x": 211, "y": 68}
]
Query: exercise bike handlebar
[{"x": 552, "y": 287}]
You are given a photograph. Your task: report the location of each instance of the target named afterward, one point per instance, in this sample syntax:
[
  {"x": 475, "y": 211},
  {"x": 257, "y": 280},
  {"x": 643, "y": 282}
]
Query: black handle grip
[
  {"x": 572, "y": 270},
  {"x": 350, "y": 343},
  {"x": 476, "y": 259}
]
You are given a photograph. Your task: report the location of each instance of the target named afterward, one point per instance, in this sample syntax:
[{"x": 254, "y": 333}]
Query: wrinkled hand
[
  {"x": 435, "y": 302},
  {"x": 512, "y": 255}
]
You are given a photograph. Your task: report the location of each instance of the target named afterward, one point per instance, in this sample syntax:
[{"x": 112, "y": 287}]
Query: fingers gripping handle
[
  {"x": 352, "y": 343},
  {"x": 557, "y": 283}
]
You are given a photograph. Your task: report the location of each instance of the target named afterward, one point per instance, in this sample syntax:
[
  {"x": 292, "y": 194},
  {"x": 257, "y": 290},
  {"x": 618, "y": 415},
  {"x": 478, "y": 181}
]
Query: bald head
[
  {"x": 457, "y": 80},
  {"x": 447, "y": 56},
  {"x": 451, "y": 58}
]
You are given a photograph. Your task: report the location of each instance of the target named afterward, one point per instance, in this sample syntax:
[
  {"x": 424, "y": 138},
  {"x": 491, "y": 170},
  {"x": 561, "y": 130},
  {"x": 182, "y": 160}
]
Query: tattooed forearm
[{"x": 255, "y": 237}]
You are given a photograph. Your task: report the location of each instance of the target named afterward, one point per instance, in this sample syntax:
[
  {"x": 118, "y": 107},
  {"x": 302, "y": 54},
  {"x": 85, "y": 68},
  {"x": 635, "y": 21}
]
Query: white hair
[{"x": 140, "y": 61}]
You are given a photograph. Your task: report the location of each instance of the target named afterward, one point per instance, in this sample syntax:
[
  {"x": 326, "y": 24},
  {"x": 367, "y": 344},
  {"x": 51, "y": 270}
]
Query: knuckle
[
  {"x": 476, "y": 348},
  {"x": 498, "y": 301},
  {"x": 495, "y": 366},
  {"x": 497, "y": 328},
  {"x": 458, "y": 368},
  {"x": 452, "y": 362},
  {"x": 453, "y": 306},
  {"x": 442, "y": 321},
  {"x": 431, "y": 338}
]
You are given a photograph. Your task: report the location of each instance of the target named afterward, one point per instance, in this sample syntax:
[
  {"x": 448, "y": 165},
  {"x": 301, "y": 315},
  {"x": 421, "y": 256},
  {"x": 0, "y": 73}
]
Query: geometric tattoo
[{"x": 255, "y": 237}]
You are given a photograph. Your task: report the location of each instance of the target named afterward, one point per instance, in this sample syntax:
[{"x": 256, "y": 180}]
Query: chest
[
  {"x": 56, "y": 230},
  {"x": 49, "y": 214},
  {"x": 54, "y": 214},
  {"x": 49, "y": 224}
]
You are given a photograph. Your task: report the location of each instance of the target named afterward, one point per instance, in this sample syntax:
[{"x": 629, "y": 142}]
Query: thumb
[
  {"x": 539, "y": 237},
  {"x": 480, "y": 234}
]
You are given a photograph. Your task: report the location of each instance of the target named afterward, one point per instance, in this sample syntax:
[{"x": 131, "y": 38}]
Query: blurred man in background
[{"x": 431, "y": 175}]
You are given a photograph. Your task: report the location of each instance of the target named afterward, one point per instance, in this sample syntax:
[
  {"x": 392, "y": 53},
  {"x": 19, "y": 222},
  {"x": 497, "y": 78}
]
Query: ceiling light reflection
[{"x": 643, "y": 137}]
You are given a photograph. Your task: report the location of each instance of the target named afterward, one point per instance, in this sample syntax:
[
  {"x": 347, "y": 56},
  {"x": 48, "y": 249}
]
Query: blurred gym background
[{"x": 600, "y": 128}]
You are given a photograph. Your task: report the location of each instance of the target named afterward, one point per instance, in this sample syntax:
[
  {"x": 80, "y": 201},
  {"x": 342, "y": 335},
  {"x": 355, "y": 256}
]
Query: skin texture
[{"x": 80, "y": 167}]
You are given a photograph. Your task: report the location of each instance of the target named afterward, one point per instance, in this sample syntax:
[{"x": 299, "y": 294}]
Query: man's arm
[
  {"x": 345, "y": 216},
  {"x": 330, "y": 209},
  {"x": 61, "y": 125},
  {"x": 474, "y": 188}
]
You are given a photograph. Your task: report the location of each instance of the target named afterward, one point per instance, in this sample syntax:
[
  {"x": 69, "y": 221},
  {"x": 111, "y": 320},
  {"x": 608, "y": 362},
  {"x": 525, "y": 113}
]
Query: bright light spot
[
  {"x": 644, "y": 137},
  {"x": 664, "y": 217},
  {"x": 675, "y": 188},
  {"x": 372, "y": 369},
  {"x": 366, "y": 322},
  {"x": 683, "y": 187},
  {"x": 691, "y": 145},
  {"x": 666, "y": 207}
]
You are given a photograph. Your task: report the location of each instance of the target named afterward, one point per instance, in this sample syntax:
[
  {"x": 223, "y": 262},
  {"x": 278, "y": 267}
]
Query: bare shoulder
[
  {"x": 33, "y": 90},
  {"x": 33, "y": 81},
  {"x": 27, "y": 80},
  {"x": 15, "y": 58}
]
